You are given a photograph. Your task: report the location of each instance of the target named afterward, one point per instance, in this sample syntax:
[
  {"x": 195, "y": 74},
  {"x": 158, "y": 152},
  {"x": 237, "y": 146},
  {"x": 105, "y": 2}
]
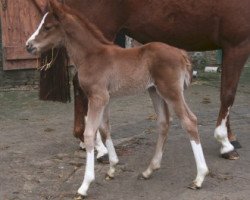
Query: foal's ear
[{"x": 56, "y": 7}]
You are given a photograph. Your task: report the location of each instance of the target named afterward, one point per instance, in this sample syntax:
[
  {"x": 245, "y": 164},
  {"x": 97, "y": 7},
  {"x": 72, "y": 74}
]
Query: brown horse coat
[
  {"x": 105, "y": 70},
  {"x": 192, "y": 25}
]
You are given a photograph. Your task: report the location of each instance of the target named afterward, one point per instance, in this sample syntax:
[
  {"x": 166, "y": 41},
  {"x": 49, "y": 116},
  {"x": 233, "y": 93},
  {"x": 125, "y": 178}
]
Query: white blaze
[{"x": 33, "y": 36}]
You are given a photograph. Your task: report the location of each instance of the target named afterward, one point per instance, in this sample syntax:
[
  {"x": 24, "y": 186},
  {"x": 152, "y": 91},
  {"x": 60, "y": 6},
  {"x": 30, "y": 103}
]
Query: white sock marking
[
  {"x": 113, "y": 159},
  {"x": 111, "y": 150},
  {"x": 99, "y": 146},
  {"x": 89, "y": 173},
  {"x": 82, "y": 145},
  {"x": 220, "y": 134},
  {"x": 101, "y": 149},
  {"x": 202, "y": 169}
]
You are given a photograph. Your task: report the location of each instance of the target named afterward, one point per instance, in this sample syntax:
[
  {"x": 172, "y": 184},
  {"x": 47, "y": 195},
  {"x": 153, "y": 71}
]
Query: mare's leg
[
  {"x": 162, "y": 112},
  {"x": 81, "y": 108},
  {"x": 96, "y": 107},
  {"x": 105, "y": 132},
  {"x": 233, "y": 62},
  {"x": 174, "y": 96},
  {"x": 231, "y": 136}
]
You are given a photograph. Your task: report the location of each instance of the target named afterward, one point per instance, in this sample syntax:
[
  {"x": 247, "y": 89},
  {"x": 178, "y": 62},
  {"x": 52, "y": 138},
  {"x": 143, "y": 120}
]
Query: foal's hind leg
[
  {"x": 189, "y": 123},
  {"x": 162, "y": 112},
  {"x": 174, "y": 96}
]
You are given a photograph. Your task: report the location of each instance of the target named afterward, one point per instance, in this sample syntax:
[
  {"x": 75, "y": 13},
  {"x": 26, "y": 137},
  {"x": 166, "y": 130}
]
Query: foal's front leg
[
  {"x": 105, "y": 131},
  {"x": 94, "y": 117},
  {"x": 100, "y": 148}
]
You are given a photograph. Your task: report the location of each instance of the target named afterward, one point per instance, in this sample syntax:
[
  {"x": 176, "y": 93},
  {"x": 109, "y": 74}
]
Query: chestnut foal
[{"x": 106, "y": 70}]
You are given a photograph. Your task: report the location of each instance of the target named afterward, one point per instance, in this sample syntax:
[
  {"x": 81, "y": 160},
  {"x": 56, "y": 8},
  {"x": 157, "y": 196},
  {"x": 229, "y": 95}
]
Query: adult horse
[{"x": 192, "y": 25}]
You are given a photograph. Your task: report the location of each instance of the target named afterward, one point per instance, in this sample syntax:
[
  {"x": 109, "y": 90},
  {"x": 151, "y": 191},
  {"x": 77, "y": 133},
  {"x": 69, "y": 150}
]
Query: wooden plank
[
  {"x": 17, "y": 53},
  {"x": 19, "y": 21},
  {"x": 20, "y": 64}
]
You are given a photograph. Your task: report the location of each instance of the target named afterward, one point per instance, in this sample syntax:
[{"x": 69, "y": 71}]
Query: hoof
[
  {"x": 81, "y": 149},
  {"x": 79, "y": 197},
  {"x": 193, "y": 186},
  {"x": 232, "y": 155},
  {"x": 108, "y": 177},
  {"x": 236, "y": 144},
  {"x": 142, "y": 177},
  {"x": 104, "y": 159},
  {"x": 82, "y": 146}
]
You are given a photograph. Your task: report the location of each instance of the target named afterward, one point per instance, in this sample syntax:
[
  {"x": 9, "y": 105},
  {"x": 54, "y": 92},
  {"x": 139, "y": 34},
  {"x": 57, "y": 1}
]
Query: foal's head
[{"x": 50, "y": 32}]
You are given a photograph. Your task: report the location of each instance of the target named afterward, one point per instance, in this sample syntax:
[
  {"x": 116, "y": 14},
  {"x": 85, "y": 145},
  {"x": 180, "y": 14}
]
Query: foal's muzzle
[{"x": 30, "y": 48}]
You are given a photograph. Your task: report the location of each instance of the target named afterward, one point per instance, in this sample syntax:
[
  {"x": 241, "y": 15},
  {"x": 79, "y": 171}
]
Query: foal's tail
[{"x": 188, "y": 69}]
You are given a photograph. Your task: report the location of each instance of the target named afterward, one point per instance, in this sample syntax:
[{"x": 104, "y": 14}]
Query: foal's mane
[{"x": 93, "y": 29}]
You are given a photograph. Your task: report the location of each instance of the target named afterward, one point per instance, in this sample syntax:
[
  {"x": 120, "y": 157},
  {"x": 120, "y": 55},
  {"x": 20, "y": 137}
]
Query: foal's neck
[{"x": 83, "y": 39}]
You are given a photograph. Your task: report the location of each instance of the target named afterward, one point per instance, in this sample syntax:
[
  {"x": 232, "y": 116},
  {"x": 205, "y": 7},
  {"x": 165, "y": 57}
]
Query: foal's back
[{"x": 136, "y": 69}]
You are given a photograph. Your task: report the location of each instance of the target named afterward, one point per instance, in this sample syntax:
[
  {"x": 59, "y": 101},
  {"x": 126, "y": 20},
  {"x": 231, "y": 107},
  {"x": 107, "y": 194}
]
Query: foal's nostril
[{"x": 29, "y": 47}]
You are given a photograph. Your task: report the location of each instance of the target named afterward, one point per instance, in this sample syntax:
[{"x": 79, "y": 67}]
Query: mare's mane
[{"x": 87, "y": 25}]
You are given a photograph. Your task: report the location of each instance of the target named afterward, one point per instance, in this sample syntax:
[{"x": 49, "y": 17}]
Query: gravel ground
[{"x": 40, "y": 159}]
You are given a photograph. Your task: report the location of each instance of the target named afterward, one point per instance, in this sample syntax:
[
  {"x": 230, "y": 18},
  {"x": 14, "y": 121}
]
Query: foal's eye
[{"x": 47, "y": 28}]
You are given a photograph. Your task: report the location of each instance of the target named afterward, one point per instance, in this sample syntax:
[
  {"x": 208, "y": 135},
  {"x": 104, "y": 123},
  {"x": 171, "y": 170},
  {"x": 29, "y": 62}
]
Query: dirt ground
[{"x": 40, "y": 159}]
